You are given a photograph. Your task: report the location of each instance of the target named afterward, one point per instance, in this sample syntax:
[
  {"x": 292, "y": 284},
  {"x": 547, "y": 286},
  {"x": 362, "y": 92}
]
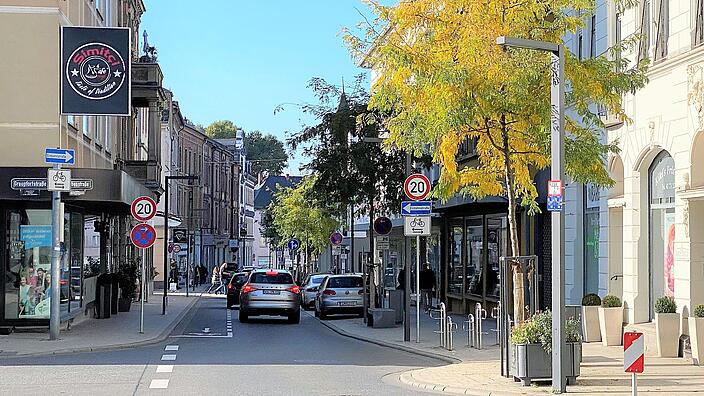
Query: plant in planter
[
  {"x": 591, "y": 331},
  {"x": 127, "y": 279},
  {"x": 611, "y": 321},
  {"x": 532, "y": 342},
  {"x": 667, "y": 326},
  {"x": 696, "y": 334}
]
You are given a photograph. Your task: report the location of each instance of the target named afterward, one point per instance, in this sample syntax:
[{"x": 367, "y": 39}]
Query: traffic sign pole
[
  {"x": 418, "y": 289},
  {"x": 54, "y": 313}
]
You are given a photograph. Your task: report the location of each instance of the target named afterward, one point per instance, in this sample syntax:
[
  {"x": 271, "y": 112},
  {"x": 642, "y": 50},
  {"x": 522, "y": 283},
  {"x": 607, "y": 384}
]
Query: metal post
[
  {"x": 54, "y": 311},
  {"x": 165, "y": 275},
  {"x": 418, "y": 289},
  {"x": 351, "y": 255},
  {"x": 407, "y": 276},
  {"x": 634, "y": 384},
  {"x": 557, "y": 102},
  {"x": 144, "y": 291}
]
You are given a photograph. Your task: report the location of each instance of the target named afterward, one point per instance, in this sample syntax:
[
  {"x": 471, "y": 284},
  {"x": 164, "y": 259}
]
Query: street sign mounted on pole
[
  {"x": 58, "y": 180},
  {"x": 633, "y": 357},
  {"x": 416, "y": 186},
  {"x": 416, "y": 208},
  {"x": 143, "y": 236},
  {"x": 336, "y": 238},
  {"x": 382, "y": 242},
  {"x": 554, "y": 195},
  {"x": 416, "y": 225},
  {"x": 293, "y": 244},
  {"x": 383, "y": 225},
  {"x": 143, "y": 208},
  {"x": 59, "y": 156}
]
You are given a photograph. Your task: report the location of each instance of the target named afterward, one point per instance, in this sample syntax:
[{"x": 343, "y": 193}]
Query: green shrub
[
  {"x": 699, "y": 311},
  {"x": 538, "y": 330},
  {"x": 665, "y": 305},
  {"x": 591, "y": 300},
  {"x": 610, "y": 301}
]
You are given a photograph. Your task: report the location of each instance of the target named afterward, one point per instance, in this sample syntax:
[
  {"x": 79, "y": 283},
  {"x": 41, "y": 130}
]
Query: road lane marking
[
  {"x": 159, "y": 384},
  {"x": 164, "y": 368},
  {"x": 171, "y": 348},
  {"x": 168, "y": 357}
]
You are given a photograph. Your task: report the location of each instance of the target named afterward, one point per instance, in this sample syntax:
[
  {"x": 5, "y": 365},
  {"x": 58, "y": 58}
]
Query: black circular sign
[
  {"x": 95, "y": 71},
  {"x": 383, "y": 225}
]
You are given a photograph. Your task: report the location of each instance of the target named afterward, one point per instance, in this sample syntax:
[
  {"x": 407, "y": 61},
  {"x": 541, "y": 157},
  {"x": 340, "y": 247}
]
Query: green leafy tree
[
  {"x": 443, "y": 79},
  {"x": 223, "y": 129},
  {"x": 267, "y": 153}
]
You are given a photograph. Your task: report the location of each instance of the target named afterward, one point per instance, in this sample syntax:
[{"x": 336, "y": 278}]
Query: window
[
  {"x": 618, "y": 34},
  {"x": 663, "y": 30},
  {"x": 580, "y": 42},
  {"x": 497, "y": 246},
  {"x": 644, "y": 45},
  {"x": 698, "y": 23},
  {"x": 280, "y": 278},
  {"x": 108, "y": 134},
  {"x": 455, "y": 273},
  {"x": 661, "y": 227},
  {"x": 475, "y": 253},
  {"x": 591, "y": 238},
  {"x": 345, "y": 283},
  {"x": 99, "y": 130},
  {"x": 592, "y": 38},
  {"x": 85, "y": 125}
]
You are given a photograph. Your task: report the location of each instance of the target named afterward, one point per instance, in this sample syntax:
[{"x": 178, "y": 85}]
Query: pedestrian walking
[
  {"x": 401, "y": 279},
  {"x": 203, "y": 273},
  {"x": 173, "y": 274},
  {"x": 427, "y": 284},
  {"x": 197, "y": 277}
]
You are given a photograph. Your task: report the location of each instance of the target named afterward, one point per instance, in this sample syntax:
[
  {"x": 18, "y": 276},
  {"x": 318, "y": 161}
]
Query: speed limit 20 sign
[
  {"x": 416, "y": 186},
  {"x": 143, "y": 208}
]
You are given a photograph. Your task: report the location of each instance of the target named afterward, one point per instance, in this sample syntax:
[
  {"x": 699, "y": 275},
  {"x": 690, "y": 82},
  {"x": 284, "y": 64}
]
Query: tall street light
[
  {"x": 557, "y": 151},
  {"x": 167, "y": 179}
]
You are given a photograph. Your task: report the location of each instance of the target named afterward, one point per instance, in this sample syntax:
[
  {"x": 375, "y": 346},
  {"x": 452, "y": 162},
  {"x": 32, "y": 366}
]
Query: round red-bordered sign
[
  {"x": 143, "y": 236},
  {"x": 143, "y": 208},
  {"x": 416, "y": 186}
]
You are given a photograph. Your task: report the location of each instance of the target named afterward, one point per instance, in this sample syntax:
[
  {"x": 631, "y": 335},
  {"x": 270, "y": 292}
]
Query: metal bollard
[
  {"x": 468, "y": 326},
  {"x": 479, "y": 316},
  {"x": 496, "y": 314},
  {"x": 451, "y": 327},
  {"x": 442, "y": 318}
]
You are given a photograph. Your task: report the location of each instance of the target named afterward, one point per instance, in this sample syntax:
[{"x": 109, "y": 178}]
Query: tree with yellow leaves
[{"x": 443, "y": 79}]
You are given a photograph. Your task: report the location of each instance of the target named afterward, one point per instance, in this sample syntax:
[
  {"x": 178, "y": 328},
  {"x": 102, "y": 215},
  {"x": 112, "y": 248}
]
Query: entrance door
[{"x": 662, "y": 228}]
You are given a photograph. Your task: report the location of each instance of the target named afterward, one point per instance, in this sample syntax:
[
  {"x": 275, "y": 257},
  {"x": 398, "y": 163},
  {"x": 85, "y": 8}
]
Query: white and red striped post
[{"x": 633, "y": 357}]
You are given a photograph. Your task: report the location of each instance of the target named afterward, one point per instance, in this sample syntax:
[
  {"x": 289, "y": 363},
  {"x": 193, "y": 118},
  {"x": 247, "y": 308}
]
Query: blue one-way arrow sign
[
  {"x": 59, "y": 156},
  {"x": 416, "y": 208}
]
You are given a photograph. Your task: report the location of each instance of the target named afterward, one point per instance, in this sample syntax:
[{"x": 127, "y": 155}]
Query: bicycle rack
[
  {"x": 442, "y": 331},
  {"x": 451, "y": 328},
  {"x": 496, "y": 314},
  {"x": 468, "y": 326},
  {"x": 479, "y": 316}
]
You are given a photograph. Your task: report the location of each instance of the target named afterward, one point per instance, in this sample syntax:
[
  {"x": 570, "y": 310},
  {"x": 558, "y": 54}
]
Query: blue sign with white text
[
  {"x": 60, "y": 156},
  {"x": 416, "y": 208},
  {"x": 554, "y": 203}
]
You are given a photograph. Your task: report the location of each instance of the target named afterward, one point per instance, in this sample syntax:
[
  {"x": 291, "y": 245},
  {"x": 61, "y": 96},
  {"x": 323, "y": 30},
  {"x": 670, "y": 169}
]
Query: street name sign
[
  {"x": 31, "y": 183},
  {"x": 416, "y": 225},
  {"x": 416, "y": 208},
  {"x": 59, "y": 156},
  {"x": 416, "y": 186},
  {"x": 554, "y": 196},
  {"x": 143, "y": 236},
  {"x": 143, "y": 208},
  {"x": 58, "y": 180}
]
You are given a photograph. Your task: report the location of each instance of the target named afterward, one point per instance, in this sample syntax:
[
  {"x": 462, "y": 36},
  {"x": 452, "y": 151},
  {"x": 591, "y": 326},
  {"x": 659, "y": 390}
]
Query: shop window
[
  {"x": 455, "y": 273},
  {"x": 662, "y": 227},
  {"x": 497, "y": 241},
  {"x": 591, "y": 238},
  {"x": 475, "y": 251}
]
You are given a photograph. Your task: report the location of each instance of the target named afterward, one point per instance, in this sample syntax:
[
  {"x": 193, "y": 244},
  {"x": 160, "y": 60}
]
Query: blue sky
[{"x": 239, "y": 59}]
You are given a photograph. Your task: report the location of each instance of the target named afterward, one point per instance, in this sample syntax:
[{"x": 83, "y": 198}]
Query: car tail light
[
  {"x": 271, "y": 273},
  {"x": 248, "y": 288},
  {"x": 329, "y": 292},
  {"x": 294, "y": 289},
  {"x": 230, "y": 286}
]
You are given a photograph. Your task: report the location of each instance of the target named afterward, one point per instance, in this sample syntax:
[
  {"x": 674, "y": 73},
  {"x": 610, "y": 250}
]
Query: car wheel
[
  {"x": 243, "y": 316},
  {"x": 295, "y": 318}
]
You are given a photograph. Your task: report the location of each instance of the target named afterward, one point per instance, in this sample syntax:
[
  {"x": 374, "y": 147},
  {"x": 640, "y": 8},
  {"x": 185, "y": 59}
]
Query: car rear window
[
  {"x": 240, "y": 278},
  {"x": 317, "y": 280},
  {"x": 274, "y": 278},
  {"x": 346, "y": 282}
]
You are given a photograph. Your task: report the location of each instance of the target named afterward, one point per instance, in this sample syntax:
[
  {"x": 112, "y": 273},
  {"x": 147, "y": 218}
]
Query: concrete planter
[
  {"x": 591, "y": 331},
  {"x": 667, "y": 329},
  {"x": 531, "y": 362},
  {"x": 611, "y": 325},
  {"x": 696, "y": 338}
]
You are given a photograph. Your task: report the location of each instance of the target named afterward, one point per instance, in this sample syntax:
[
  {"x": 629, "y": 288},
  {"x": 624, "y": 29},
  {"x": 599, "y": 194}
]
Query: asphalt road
[{"x": 211, "y": 353}]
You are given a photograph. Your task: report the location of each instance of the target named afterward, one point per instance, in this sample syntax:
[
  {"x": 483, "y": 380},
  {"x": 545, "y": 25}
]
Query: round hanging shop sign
[{"x": 95, "y": 71}]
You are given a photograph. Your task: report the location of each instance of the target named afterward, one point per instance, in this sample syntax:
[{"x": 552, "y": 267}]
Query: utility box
[
  {"x": 396, "y": 303},
  {"x": 382, "y": 318}
]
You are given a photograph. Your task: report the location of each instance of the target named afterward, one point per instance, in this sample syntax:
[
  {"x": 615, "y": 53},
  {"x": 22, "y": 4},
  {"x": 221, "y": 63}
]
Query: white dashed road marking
[
  {"x": 168, "y": 357},
  {"x": 171, "y": 348},
  {"x": 159, "y": 384},
  {"x": 164, "y": 368}
]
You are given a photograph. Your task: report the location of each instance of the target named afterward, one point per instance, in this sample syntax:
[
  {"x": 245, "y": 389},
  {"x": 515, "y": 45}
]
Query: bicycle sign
[
  {"x": 416, "y": 186},
  {"x": 416, "y": 225},
  {"x": 58, "y": 180}
]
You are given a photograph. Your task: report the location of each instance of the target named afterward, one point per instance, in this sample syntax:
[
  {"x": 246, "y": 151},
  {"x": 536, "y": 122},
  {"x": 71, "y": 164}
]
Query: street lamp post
[
  {"x": 167, "y": 179},
  {"x": 557, "y": 151}
]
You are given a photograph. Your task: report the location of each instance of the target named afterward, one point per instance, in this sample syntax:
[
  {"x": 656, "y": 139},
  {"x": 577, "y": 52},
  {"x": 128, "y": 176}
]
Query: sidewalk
[
  {"x": 118, "y": 331},
  {"x": 477, "y": 372}
]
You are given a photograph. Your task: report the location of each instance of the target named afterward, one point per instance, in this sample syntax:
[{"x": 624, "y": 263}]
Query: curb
[
  {"x": 391, "y": 345},
  {"x": 408, "y": 380},
  {"x": 104, "y": 348}
]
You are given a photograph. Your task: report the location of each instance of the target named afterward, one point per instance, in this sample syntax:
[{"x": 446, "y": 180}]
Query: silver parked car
[
  {"x": 270, "y": 292},
  {"x": 309, "y": 290},
  {"x": 340, "y": 294}
]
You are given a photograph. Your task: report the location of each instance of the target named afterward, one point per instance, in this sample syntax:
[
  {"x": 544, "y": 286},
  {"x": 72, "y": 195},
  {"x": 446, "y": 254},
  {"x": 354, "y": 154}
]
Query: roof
[{"x": 265, "y": 193}]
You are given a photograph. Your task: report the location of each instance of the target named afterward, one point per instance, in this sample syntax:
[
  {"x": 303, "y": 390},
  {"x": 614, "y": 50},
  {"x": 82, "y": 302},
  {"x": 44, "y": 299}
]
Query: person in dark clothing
[
  {"x": 173, "y": 274},
  {"x": 427, "y": 284},
  {"x": 401, "y": 279},
  {"x": 203, "y": 274}
]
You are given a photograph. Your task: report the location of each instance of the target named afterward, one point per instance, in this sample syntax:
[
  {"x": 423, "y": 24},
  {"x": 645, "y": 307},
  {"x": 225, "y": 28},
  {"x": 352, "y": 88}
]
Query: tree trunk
[{"x": 518, "y": 284}]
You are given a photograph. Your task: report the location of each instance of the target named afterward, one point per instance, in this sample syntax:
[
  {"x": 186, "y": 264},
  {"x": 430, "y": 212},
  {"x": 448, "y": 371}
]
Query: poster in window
[{"x": 669, "y": 239}]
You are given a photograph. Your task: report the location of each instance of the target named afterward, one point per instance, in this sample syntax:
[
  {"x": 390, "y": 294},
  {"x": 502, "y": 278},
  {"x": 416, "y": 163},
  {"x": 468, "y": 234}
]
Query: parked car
[
  {"x": 340, "y": 294},
  {"x": 309, "y": 289},
  {"x": 233, "y": 288},
  {"x": 270, "y": 292}
]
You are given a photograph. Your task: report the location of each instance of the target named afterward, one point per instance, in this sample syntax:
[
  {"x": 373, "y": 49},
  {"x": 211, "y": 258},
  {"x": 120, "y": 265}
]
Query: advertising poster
[
  {"x": 669, "y": 228},
  {"x": 35, "y": 278}
]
